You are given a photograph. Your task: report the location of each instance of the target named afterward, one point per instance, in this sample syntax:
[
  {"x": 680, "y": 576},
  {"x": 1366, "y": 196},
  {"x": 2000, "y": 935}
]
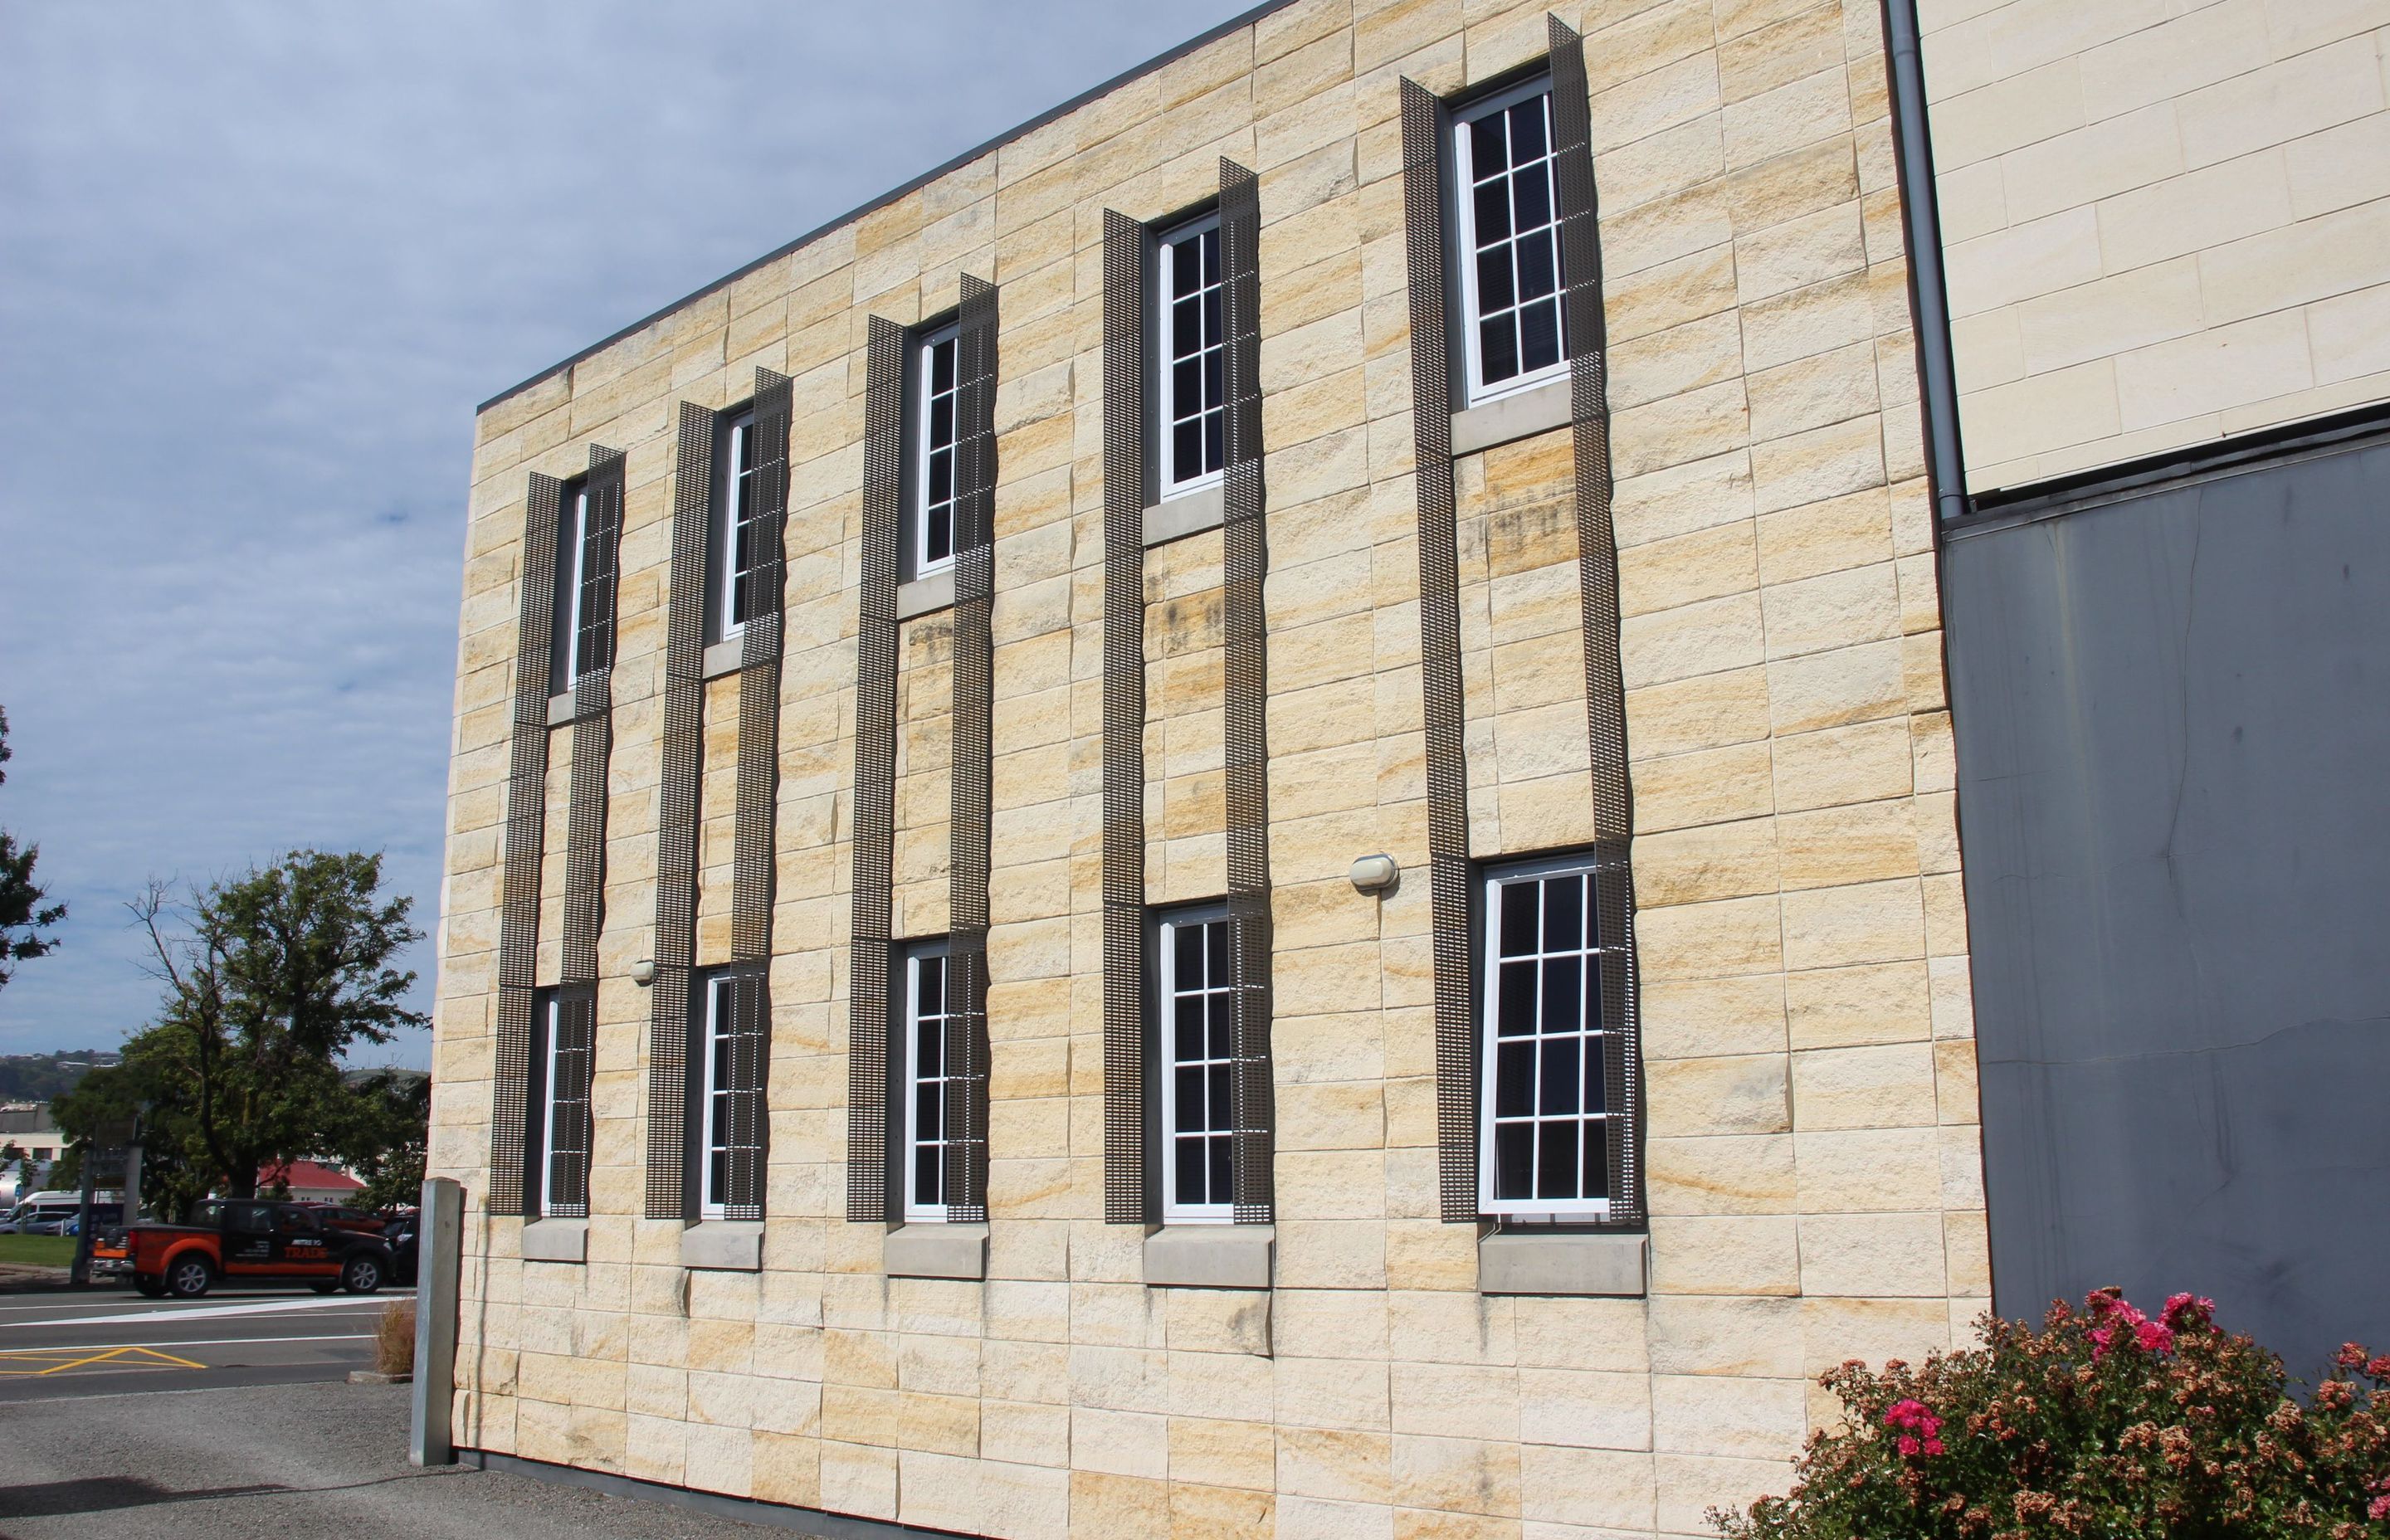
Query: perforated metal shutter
[
  {"x": 671, "y": 1002},
  {"x": 749, "y": 1126},
  {"x": 1126, "y": 1197},
  {"x": 875, "y": 778},
  {"x": 1245, "y": 698},
  {"x": 759, "y": 677},
  {"x": 972, "y": 808},
  {"x": 526, "y": 819},
  {"x": 1442, "y": 710},
  {"x": 1605, "y": 695},
  {"x": 567, "y": 1177},
  {"x": 584, "y": 847}
]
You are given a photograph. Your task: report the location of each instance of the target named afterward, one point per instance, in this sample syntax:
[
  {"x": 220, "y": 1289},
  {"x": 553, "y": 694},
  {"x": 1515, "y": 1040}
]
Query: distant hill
[{"x": 40, "y": 1076}]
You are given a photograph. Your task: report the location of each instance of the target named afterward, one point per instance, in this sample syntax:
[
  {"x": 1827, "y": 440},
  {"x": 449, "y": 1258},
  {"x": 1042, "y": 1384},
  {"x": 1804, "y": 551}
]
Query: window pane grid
[
  {"x": 572, "y": 1059},
  {"x": 928, "y": 1081},
  {"x": 1195, "y": 387},
  {"x": 1547, "y": 1103},
  {"x": 734, "y": 1128},
  {"x": 593, "y": 566},
  {"x": 1514, "y": 262},
  {"x": 1199, "y": 1064},
  {"x": 941, "y": 385}
]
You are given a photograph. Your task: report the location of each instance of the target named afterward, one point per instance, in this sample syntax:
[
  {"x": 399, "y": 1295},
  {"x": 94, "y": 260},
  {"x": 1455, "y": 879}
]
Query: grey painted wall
[{"x": 2173, "y": 719}]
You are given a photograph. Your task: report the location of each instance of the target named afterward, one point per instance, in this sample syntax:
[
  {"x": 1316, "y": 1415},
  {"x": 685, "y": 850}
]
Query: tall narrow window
[
  {"x": 566, "y": 1024},
  {"x": 1543, "y": 1112},
  {"x": 584, "y": 627},
  {"x": 935, "y": 483},
  {"x": 1192, "y": 395},
  {"x": 736, "y": 511},
  {"x": 1198, "y": 1066},
  {"x": 731, "y": 1177},
  {"x": 926, "y": 1084},
  {"x": 1509, "y": 241}
]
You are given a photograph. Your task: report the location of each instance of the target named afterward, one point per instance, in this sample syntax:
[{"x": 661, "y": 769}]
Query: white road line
[
  {"x": 271, "y": 1307},
  {"x": 209, "y": 1341}
]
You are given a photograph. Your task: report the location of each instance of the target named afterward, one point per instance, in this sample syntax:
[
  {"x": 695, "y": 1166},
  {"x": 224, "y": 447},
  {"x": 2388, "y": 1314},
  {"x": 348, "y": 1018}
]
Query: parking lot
[
  {"x": 155, "y": 1455},
  {"x": 57, "y": 1342}
]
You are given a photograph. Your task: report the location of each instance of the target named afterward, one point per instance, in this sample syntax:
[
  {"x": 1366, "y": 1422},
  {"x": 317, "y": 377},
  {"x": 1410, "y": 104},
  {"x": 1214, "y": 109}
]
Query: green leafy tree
[
  {"x": 384, "y": 1144},
  {"x": 23, "y": 916},
  {"x": 269, "y": 977}
]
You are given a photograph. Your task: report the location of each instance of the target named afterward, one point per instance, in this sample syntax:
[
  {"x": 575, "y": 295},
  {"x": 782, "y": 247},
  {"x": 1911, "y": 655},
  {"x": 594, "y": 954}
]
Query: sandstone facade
[{"x": 1813, "y": 1160}]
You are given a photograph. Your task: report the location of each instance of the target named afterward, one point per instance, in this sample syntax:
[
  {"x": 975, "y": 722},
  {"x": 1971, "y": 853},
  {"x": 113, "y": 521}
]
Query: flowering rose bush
[{"x": 2104, "y": 1423}]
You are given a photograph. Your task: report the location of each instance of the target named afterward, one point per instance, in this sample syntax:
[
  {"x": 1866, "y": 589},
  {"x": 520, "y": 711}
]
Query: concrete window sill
[
  {"x": 1514, "y": 1262},
  {"x": 556, "y": 1241},
  {"x": 1191, "y": 513},
  {"x": 926, "y": 595},
  {"x": 936, "y": 1251},
  {"x": 724, "y": 1245},
  {"x": 724, "y": 657},
  {"x": 1510, "y": 419},
  {"x": 1210, "y": 1256},
  {"x": 560, "y": 709}
]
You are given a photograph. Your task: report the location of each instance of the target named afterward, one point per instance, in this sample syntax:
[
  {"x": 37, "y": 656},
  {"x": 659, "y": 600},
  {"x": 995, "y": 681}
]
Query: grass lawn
[{"x": 42, "y": 1250}]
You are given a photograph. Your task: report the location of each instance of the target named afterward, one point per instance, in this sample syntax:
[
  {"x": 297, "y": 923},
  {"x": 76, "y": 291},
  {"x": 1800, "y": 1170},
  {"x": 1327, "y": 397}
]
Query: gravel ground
[{"x": 293, "y": 1462}]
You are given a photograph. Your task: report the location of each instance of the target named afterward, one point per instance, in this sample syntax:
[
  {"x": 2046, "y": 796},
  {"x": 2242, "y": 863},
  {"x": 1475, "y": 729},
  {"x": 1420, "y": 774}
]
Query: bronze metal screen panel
[
  {"x": 875, "y": 778},
  {"x": 974, "y": 756},
  {"x": 566, "y": 1192},
  {"x": 1605, "y": 695},
  {"x": 1245, "y": 695},
  {"x": 746, "y": 1115},
  {"x": 1442, "y": 704},
  {"x": 526, "y": 820},
  {"x": 585, "y": 846},
  {"x": 759, "y": 678},
  {"x": 670, "y": 1003},
  {"x": 1125, "y": 1197}
]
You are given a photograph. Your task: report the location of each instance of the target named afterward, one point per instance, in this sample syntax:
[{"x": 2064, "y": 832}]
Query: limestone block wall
[
  {"x": 2167, "y": 220},
  {"x": 1812, "y": 1156}
]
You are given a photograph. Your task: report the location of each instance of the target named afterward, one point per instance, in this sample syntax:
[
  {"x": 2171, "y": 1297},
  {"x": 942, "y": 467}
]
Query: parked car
[
  {"x": 102, "y": 1215},
  {"x": 232, "y": 1239},
  {"x": 340, "y": 1216},
  {"x": 47, "y": 1213}
]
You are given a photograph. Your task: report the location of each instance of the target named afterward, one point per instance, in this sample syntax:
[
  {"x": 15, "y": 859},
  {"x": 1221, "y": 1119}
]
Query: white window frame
[
  {"x": 1173, "y": 1211},
  {"x": 1165, "y": 406},
  {"x": 547, "y": 1013},
  {"x": 1464, "y": 226},
  {"x": 717, "y": 1032},
  {"x": 576, "y": 514},
  {"x": 917, "y": 1211},
  {"x": 924, "y": 360},
  {"x": 1578, "y": 1210},
  {"x": 742, "y": 429},
  {"x": 550, "y": 1008}
]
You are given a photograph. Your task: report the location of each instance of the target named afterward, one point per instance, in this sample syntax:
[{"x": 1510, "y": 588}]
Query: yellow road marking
[{"x": 60, "y": 1360}]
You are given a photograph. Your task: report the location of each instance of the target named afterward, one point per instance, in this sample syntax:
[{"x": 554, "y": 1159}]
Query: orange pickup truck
[{"x": 236, "y": 1240}]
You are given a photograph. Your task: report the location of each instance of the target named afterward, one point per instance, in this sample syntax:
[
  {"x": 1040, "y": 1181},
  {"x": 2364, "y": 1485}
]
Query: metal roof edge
[{"x": 1243, "y": 19}]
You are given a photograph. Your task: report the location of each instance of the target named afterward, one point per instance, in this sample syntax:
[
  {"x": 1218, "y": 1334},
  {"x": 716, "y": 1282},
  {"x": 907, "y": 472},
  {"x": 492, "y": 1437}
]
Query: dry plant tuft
[{"x": 394, "y": 1339}]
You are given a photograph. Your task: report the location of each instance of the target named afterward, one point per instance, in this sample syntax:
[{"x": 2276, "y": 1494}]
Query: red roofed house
[{"x": 308, "y": 1182}]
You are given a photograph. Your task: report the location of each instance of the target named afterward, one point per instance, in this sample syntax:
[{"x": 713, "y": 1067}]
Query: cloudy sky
[{"x": 258, "y": 262}]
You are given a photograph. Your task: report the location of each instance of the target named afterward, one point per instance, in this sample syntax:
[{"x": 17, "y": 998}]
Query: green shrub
[{"x": 2102, "y": 1424}]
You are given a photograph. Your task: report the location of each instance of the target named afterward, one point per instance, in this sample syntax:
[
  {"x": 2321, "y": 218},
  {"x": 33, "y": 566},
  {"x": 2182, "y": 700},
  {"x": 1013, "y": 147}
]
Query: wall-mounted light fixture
[
  {"x": 1376, "y": 874},
  {"x": 644, "y": 971}
]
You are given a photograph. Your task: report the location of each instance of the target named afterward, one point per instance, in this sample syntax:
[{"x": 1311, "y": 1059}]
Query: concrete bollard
[{"x": 439, "y": 1251}]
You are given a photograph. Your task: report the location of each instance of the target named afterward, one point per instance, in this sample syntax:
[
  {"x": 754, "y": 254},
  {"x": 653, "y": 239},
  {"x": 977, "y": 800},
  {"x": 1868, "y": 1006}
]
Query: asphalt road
[
  {"x": 291, "y": 1462},
  {"x": 58, "y": 1343}
]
